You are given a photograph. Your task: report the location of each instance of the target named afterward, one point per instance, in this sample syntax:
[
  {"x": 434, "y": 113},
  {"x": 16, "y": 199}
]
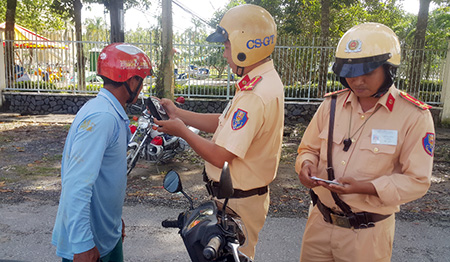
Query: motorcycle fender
[{"x": 131, "y": 144}]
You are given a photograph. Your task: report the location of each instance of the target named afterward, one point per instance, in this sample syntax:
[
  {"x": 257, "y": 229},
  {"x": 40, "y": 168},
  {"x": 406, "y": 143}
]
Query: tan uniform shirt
[
  {"x": 393, "y": 150},
  {"x": 252, "y": 129}
]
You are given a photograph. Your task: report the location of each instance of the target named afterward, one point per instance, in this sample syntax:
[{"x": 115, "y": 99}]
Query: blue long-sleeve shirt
[{"x": 93, "y": 178}]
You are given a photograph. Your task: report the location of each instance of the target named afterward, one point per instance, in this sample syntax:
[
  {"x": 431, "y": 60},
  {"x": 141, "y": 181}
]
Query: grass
[
  {"x": 52, "y": 158},
  {"x": 442, "y": 153},
  {"x": 46, "y": 167},
  {"x": 5, "y": 139},
  {"x": 21, "y": 172}
]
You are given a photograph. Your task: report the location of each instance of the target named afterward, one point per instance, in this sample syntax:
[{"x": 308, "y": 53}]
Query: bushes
[
  {"x": 198, "y": 90},
  {"x": 425, "y": 85},
  {"x": 430, "y": 90},
  {"x": 34, "y": 85},
  {"x": 310, "y": 90},
  {"x": 204, "y": 90},
  {"x": 90, "y": 88}
]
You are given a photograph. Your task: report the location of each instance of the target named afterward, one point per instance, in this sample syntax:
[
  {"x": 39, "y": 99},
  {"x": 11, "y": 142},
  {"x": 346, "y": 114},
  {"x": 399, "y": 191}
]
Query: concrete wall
[{"x": 38, "y": 104}]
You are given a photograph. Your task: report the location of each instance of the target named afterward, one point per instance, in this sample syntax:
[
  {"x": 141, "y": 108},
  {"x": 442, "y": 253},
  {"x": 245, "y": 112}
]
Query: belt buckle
[{"x": 341, "y": 221}]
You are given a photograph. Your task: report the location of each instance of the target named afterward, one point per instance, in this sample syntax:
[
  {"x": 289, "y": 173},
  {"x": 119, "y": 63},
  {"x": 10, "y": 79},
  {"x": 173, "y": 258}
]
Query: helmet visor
[
  {"x": 357, "y": 67},
  {"x": 219, "y": 36}
]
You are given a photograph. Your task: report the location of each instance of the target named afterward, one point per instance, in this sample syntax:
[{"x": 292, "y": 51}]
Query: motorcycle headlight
[
  {"x": 194, "y": 223},
  {"x": 202, "y": 215},
  {"x": 143, "y": 122}
]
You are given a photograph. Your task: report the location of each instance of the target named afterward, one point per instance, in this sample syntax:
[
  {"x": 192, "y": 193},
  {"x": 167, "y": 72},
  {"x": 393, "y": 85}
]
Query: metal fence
[{"x": 199, "y": 68}]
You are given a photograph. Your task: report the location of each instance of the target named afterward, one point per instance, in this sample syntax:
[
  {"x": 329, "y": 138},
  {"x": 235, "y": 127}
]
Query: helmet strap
[
  {"x": 389, "y": 72},
  {"x": 344, "y": 83},
  {"x": 134, "y": 93},
  {"x": 240, "y": 71}
]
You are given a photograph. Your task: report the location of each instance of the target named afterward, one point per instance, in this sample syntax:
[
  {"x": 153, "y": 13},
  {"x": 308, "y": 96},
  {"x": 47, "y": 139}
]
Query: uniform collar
[
  {"x": 261, "y": 69},
  {"x": 257, "y": 71},
  {"x": 114, "y": 102},
  {"x": 387, "y": 100}
]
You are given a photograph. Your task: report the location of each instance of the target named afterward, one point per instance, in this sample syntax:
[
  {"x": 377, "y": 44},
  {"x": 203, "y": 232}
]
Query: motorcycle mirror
[
  {"x": 225, "y": 184},
  {"x": 172, "y": 182}
]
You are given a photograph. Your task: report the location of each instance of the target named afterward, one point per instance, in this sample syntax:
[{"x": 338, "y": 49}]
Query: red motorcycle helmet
[{"x": 120, "y": 62}]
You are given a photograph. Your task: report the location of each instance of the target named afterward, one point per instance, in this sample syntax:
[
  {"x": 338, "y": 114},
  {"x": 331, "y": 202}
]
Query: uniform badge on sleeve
[
  {"x": 87, "y": 125},
  {"x": 428, "y": 143},
  {"x": 239, "y": 120}
]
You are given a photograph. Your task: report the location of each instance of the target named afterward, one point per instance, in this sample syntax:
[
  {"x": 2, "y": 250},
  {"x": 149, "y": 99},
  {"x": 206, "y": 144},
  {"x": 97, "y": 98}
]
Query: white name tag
[{"x": 384, "y": 137}]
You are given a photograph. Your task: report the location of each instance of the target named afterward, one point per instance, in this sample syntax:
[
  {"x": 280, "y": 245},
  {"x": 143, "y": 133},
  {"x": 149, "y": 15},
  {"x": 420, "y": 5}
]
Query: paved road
[{"x": 25, "y": 233}]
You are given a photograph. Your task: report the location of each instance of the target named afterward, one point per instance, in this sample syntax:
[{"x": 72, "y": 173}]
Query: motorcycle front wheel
[{"x": 132, "y": 157}]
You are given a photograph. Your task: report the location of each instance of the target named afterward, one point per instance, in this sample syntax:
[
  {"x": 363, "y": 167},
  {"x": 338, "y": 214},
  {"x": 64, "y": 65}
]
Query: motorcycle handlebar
[
  {"x": 210, "y": 252},
  {"x": 170, "y": 223}
]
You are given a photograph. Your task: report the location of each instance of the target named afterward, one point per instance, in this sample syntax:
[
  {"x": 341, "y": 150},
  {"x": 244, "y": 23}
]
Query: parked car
[{"x": 197, "y": 73}]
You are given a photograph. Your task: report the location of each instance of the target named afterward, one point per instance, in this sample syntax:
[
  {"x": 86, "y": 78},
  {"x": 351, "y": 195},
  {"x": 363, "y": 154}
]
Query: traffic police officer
[
  {"x": 382, "y": 153},
  {"x": 248, "y": 134}
]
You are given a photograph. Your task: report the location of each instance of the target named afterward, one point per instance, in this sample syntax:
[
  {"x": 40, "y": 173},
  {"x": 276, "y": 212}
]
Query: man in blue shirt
[{"x": 89, "y": 223}]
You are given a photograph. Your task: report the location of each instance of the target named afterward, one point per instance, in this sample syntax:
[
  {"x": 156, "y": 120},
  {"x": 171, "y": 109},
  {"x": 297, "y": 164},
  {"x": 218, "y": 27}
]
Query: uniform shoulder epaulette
[
  {"x": 247, "y": 84},
  {"x": 337, "y": 92},
  {"x": 415, "y": 101}
]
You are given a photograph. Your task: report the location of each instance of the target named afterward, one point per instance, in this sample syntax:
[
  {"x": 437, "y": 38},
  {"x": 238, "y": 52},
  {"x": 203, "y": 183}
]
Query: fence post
[
  {"x": 445, "y": 94},
  {"x": 2, "y": 71}
]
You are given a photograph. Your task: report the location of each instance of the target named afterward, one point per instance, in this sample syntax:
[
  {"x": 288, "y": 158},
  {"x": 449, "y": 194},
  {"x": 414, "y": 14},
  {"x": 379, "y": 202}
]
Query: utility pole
[
  {"x": 165, "y": 82},
  {"x": 445, "y": 95},
  {"x": 2, "y": 72},
  {"x": 9, "y": 43},
  {"x": 116, "y": 14},
  {"x": 80, "y": 65}
]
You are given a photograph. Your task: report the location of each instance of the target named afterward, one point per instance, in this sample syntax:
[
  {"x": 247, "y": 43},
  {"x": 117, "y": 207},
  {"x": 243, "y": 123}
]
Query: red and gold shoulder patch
[
  {"x": 337, "y": 92},
  {"x": 414, "y": 101},
  {"x": 245, "y": 84}
]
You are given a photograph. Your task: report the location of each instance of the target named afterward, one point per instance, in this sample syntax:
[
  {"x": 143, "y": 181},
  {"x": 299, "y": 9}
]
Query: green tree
[
  {"x": 219, "y": 13},
  {"x": 36, "y": 15},
  {"x": 438, "y": 29},
  {"x": 71, "y": 9},
  {"x": 216, "y": 60},
  {"x": 33, "y": 14},
  {"x": 420, "y": 41},
  {"x": 116, "y": 9},
  {"x": 9, "y": 36},
  {"x": 324, "y": 52},
  {"x": 96, "y": 29},
  {"x": 321, "y": 23}
]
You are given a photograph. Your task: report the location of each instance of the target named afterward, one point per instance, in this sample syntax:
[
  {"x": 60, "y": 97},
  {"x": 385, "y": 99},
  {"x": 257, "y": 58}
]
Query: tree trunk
[
  {"x": 116, "y": 15},
  {"x": 324, "y": 56},
  {"x": 164, "y": 82},
  {"x": 9, "y": 43},
  {"x": 415, "y": 74},
  {"x": 79, "y": 46}
]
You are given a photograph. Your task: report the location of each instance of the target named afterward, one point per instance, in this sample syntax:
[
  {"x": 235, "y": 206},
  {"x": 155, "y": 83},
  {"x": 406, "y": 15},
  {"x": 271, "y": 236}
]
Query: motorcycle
[
  {"x": 212, "y": 231},
  {"x": 149, "y": 144}
]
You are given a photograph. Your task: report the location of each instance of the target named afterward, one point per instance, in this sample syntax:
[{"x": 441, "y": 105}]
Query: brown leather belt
[
  {"x": 213, "y": 188},
  {"x": 358, "y": 220}
]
